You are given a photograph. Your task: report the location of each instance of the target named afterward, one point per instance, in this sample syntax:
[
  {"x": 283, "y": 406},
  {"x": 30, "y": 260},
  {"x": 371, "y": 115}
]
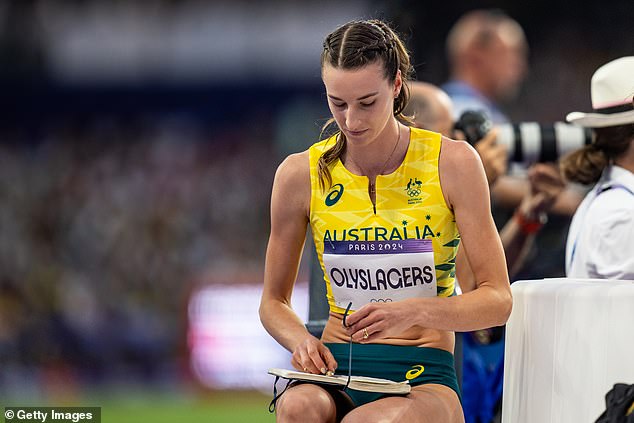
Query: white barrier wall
[{"x": 568, "y": 341}]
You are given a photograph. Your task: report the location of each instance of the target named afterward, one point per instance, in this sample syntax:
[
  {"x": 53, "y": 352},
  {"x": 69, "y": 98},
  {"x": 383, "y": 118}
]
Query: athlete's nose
[{"x": 353, "y": 123}]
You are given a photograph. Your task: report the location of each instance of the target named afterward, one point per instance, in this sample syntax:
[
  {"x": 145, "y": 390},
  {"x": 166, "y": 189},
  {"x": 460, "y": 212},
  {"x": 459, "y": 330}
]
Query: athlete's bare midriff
[{"x": 416, "y": 336}]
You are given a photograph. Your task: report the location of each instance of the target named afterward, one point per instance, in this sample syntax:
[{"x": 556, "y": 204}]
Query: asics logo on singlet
[{"x": 334, "y": 195}]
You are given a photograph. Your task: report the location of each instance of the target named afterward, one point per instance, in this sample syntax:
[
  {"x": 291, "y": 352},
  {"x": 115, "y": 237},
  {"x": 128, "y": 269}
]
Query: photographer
[{"x": 487, "y": 52}]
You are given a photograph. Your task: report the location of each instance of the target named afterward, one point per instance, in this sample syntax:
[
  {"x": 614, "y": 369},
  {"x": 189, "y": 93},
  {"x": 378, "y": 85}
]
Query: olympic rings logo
[
  {"x": 414, "y": 187},
  {"x": 381, "y": 300}
]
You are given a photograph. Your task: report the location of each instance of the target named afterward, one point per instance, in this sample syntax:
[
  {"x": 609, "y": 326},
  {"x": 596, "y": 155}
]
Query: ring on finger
[{"x": 366, "y": 335}]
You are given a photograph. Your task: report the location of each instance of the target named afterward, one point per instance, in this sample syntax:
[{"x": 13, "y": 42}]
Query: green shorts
[{"x": 419, "y": 365}]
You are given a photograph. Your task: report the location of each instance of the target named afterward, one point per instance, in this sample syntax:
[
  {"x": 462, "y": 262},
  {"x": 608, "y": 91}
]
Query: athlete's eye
[
  {"x": 339, "y": 105},
  {"x": 368, "y": 104}
]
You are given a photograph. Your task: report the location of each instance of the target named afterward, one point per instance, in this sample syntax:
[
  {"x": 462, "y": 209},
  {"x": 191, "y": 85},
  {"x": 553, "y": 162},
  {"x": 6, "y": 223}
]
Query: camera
[{"x": 526, "y": 142}]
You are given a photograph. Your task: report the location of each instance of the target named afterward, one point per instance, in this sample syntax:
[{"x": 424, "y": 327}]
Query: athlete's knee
[{"x": 303, "y": 405}]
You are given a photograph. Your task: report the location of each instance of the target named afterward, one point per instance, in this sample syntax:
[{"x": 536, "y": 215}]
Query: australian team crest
[{"x": 413, "y": 190}]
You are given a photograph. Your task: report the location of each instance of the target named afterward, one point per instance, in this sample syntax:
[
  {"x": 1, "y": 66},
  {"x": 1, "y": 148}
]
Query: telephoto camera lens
[
  {"x": 474, "y": 124},
  {"x": 526, "y": 142}
]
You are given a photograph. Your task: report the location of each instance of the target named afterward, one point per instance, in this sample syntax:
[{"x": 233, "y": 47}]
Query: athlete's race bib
[{"x": 362, "y": 272}]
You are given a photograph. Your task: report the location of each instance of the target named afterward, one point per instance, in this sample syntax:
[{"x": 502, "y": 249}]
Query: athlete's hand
[
  {"x": 312, "y": 356},
  {"x": 379, "y": 320}
]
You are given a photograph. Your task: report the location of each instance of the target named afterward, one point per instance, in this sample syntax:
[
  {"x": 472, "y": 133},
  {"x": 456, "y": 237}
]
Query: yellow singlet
[{"x": 362, "y": 246}]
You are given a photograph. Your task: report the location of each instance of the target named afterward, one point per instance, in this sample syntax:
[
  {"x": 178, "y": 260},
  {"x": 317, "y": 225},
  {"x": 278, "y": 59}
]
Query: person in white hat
[{"x": 601, "y": 238}]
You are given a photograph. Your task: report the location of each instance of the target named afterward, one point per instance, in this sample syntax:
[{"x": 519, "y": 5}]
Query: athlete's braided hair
[{"x": 353, "y": 46}]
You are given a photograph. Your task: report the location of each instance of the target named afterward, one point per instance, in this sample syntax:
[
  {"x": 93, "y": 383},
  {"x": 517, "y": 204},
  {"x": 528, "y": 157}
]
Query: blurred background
[{"x": 138, "y": 144}]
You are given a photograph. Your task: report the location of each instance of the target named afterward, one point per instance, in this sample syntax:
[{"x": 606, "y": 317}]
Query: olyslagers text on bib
[{"x": 362, "y": 272}]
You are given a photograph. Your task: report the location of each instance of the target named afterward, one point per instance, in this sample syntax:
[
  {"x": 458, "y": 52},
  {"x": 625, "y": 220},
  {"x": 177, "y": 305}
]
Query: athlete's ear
[{"x": 398, "y": 83}]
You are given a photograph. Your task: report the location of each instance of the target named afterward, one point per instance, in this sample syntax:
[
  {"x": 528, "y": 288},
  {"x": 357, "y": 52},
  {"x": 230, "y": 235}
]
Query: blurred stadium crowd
[
  {"x": 106, "y": 229},
  {"x": 120, "y": 190}
]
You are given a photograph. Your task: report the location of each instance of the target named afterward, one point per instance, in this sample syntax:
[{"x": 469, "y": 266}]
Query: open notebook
[{"x": 359, "y": 383}]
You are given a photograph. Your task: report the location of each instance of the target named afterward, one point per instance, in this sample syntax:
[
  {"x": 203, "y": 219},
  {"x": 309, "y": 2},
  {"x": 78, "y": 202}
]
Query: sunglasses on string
[{"x": 345, "y": 325}]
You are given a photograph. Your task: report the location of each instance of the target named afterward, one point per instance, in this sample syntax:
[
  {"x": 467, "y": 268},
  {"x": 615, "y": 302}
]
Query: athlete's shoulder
[
  {"x": 295, "y": 167},
  {"x": 291, "y": 186},
  {"x": 460, "y": 167},
  {"x": 425, "y": 144},
  {"x": 459, "y": 153}
]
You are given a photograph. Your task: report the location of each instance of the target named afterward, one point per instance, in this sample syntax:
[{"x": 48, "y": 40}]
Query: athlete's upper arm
[
  {"x": 290, "y": 202},
  {"x": 466, "y": 190}
]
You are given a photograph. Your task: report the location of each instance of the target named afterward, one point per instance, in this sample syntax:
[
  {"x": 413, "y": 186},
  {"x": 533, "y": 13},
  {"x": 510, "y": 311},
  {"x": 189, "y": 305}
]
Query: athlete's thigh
[
  {"x": 310, "y": 402},
  {"x": 426, "y": 403}
]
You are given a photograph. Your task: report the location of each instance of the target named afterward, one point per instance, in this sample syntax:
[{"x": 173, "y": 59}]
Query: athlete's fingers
[
  {"x": 310, "y": 364},
  {"x": 301, "y": 367},
  {"x": 361, "y": 335},
  {"x": 296, "y": 364},
  {"x": 329, "y": 359},
  {"x": 373, "y": 314},
  {"x": 367, "y": 334},
  {"x": 306, "y": 362},
  {"x": 316, "y": 359},
  {"x": 354, "y": 318},
  {"x": 301, "y": 361}
]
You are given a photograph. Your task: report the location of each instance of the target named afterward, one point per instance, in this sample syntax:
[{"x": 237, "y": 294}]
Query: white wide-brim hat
[{"x": 612, "y": 89}]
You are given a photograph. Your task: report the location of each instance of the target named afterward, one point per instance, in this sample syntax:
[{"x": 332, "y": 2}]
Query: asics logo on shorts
[{"x": 416, "y": 371}]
